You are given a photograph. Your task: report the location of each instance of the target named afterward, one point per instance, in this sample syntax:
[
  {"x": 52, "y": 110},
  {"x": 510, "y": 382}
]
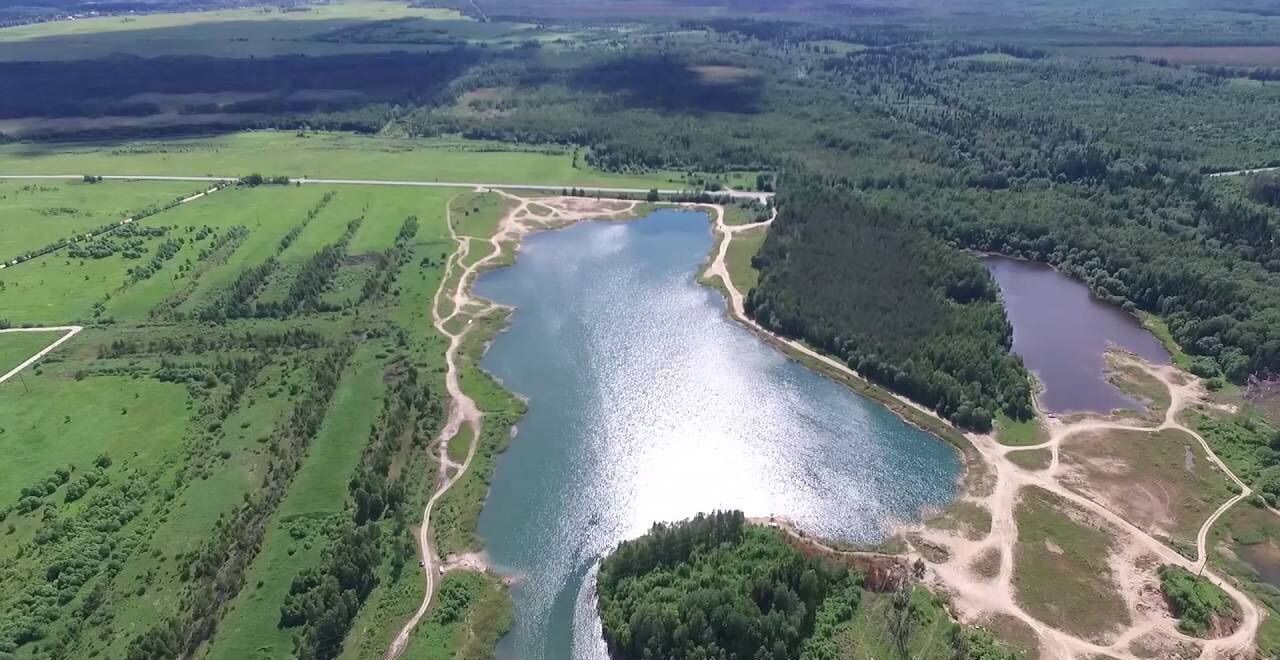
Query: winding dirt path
[
  {"x": 71, "y": 331},
  {"x": 974, "y": 597},
  {"x": 463, "y": 411}
]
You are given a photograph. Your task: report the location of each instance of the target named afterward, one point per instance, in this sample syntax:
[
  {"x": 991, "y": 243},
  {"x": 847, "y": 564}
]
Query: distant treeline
[{"x": 94, "y": 88}]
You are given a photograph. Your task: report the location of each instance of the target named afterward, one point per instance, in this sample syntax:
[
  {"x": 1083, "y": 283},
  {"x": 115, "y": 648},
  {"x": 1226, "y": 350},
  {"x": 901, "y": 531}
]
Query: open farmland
[
  {"x": 321, "y": 155},
  {"x": 255, "y": 362}
]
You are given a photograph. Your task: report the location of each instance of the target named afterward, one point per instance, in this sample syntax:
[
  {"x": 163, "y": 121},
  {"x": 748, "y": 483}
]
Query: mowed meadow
[
  {"x": 323, "y": 155},
  {"x": 234, "y": 449}
]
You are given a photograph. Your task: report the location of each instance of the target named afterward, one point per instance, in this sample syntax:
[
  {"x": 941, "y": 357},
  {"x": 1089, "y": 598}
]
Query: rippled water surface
[
  {"x": 647, "y": 403},
  {"x": 1062, "y": 333}
]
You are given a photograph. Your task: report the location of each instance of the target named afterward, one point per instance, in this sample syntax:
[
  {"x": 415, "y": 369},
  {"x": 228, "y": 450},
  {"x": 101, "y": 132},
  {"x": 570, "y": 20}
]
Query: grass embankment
[
  {"x": 458, "y": 511},
  {"x": 39, "y": 213},
  {"x": 1135, "y": 380},
  {"x": 326, "y": 155},
  {"x": 1060, "y": 571},
  {"x": 737, "y": 258},
  {"x": 17, "y": 347},
  {"x": 969, "y": 519},
  {"x": 1020, "y": 433}
]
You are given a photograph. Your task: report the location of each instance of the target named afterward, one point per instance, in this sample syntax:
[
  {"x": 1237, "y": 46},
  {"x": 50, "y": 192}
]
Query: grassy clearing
[
  {"x": 16, "y": 347},
  {"x": 55, "y": 421},
  {"x": 1060, "y": 569},
  {"x": 477, "y": 214},
  {"x": 736, "y": 214},
  {"x": 1162, "y": 482},
  {"x": 1031, "y": 459},
  {"x": 322, "y": 155},
  {"x": 1020, "y": 434},
  {"x": 991, "y": 58},
  {"x": 1156, "y": 326},
  {"x": 37, "y": 214},
  {"x": 737, "y": 259},
  {"x": 969, "y": 519}
]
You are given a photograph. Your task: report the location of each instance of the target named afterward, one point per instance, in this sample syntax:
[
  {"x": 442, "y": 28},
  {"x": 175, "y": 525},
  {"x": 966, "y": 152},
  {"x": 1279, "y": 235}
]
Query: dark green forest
[{"x": 717, "y": 588}]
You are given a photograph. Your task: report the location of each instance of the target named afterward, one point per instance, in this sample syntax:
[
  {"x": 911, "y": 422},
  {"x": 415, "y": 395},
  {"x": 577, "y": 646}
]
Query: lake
[
  {"x": 1062, "y": 331},
  {"x": 647, "y": 403}
]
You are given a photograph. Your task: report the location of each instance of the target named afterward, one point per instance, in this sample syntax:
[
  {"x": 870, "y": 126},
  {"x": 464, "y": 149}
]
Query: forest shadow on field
[{"x": 675, "y": 85}]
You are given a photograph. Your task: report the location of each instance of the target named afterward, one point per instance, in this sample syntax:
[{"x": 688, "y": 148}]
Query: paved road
[
  {"x": 1255, "y": 170},
  {"x": 736, "y": 194}
]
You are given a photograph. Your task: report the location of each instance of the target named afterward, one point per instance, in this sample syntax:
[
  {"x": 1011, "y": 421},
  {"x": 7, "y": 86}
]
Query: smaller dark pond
[
  {"x": 1264, "y": 558},
  {"x": 1062, "y": 333}
]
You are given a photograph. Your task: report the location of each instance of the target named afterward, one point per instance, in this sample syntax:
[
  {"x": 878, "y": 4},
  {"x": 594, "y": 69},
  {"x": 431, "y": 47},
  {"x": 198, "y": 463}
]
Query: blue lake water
[{"x": 646, "y": 403}]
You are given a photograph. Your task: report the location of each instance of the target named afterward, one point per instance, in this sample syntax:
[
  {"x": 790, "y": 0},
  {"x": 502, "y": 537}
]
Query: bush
[{"x": 1194, "y": 600}]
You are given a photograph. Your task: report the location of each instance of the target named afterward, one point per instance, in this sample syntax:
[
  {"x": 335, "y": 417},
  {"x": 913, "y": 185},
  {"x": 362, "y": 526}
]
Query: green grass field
[
  {"x": 16, "y": 347},
  {"x": 320, "y": 155},
  {"x": 52, "y": 423},
  {"x": 37, "y": 213},
  {"x": 477, "y": 215},
  {"x": 1020, "y": 433}
]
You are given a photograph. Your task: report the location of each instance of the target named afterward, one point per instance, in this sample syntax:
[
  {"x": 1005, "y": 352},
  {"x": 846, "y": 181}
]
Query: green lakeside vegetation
[
  {"x": 716, "y": 587},
  {"x": 740, "y": 256}
]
